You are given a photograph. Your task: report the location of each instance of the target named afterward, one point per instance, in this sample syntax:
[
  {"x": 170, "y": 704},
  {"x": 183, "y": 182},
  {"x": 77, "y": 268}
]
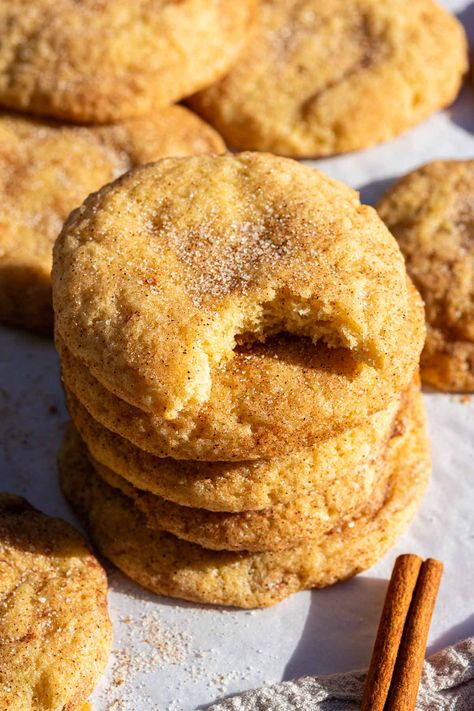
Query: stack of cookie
[{"x": 239, "y": 344}]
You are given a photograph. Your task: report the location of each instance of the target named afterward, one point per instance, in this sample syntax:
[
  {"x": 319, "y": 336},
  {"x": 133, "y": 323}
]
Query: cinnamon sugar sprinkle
[{"x": 220, "y": 266}]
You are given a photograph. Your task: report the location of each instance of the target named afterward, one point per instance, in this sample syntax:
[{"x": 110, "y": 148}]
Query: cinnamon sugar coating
[
  {"x": 248, "y": 304},
  {"x": 276, "y": 529}
]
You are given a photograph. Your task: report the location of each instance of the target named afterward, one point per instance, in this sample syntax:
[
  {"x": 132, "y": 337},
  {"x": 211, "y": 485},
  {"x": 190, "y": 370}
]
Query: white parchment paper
[{"x": 173, "y": 656}]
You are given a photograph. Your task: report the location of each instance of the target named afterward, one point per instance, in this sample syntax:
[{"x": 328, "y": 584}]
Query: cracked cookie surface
[
  {"x": 55, "y": 632},
  {"x": 431, "y": 213},
  {"x": 324, "y": 78},
  {"x": 249, "y": 304},
  {"x": 100, "y": 61},
  {"x": 47, "y": 169}
]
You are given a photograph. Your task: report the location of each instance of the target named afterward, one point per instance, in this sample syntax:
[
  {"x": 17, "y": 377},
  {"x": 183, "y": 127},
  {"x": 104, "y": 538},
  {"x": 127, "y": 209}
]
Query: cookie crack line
[{"x": 372, "y": 50}]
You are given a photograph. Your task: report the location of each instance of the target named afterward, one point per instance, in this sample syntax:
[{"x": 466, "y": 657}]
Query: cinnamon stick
[
  {"x": 407, "y": 674},
  {"x": 395, "y": 611}
]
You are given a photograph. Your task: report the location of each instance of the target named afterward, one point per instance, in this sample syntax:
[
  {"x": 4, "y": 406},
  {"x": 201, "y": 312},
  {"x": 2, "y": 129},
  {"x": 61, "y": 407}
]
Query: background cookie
[
  {"x": 213, "y": 293},
  {"x": 168, "y": 566},
  {"x": 431, "y": 213},
  {"x": 105, "y": 61},
  {"x": 47, "y": 169},
  {"x": 328, "y": 77},
  {"x": 55, "y": 632}
]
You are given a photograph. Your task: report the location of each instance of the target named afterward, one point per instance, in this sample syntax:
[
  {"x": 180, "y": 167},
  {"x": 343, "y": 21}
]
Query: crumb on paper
[
  {"x": 149, "y": 644},
  {"x": 462, "y": 398}
]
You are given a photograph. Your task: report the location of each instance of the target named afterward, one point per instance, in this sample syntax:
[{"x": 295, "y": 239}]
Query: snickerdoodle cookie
[
  {"x": 55, "y": 633},
  {"x": 95, "y": 62},
  {"x": 250, "y": 303},
  {"x": 350, "y": 457},
  {"x": 431, "y": 213},
  {"x": 170, "y": 566},
  {"x": 47, "y": 169},
  {"x": 328, "y": 77}
]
